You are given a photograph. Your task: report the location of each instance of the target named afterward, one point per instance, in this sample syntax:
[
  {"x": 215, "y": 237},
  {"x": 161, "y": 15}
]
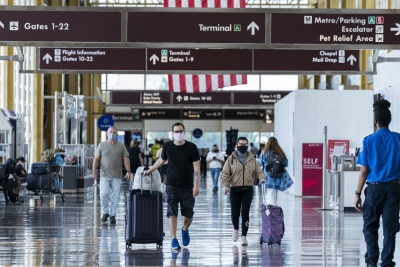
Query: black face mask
[
  {"x": 242, "y": 149},
  {"x": 215, "y": 151}
]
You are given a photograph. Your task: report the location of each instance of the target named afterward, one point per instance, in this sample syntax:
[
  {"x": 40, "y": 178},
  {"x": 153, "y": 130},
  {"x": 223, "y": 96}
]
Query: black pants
[
  {"x": 381, "y": 200},
  {"x": 241, "y": 197}
]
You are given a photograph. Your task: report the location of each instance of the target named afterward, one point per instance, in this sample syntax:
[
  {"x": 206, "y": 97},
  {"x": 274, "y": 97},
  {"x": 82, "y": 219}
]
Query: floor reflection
[{"x": 52, "y": 233}]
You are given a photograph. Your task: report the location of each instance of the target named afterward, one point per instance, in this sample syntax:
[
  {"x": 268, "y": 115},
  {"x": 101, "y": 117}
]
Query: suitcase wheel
[
  {"x": 128, "y": 244},
  {"x": 279, "y": 243},
  {"x": 63, "y": 197},
  {"x": 261, "y": 240},
  {"x": 159, "y": 244}
]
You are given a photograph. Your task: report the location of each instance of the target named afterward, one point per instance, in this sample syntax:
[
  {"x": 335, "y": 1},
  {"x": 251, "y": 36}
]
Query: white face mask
[
  {"x": 112, "y": 136},
  {"x": 179, "y": 136}
]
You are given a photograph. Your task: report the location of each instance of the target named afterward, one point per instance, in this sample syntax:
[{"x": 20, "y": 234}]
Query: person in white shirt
[{"x": 215, "y": 158}]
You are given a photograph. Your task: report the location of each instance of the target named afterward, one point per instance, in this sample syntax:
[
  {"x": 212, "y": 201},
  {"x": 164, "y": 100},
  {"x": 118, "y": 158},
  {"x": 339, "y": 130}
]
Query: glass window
[
  {"x": 279, "y": 82},
  {"x": 253, "y": 83},
  {"x": 207, "y": 140},
  {"x": 156, "y": 82},
  {"x": 123, "y": 81}
]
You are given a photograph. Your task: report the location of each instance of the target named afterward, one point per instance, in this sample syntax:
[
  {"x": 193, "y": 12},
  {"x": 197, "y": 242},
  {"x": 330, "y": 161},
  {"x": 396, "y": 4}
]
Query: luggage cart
[{"x": 58, "y": 183}]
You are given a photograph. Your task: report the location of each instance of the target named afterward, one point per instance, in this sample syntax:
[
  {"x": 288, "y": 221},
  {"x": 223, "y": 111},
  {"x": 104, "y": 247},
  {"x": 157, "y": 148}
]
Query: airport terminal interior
[{"x": 303, "y": 71}]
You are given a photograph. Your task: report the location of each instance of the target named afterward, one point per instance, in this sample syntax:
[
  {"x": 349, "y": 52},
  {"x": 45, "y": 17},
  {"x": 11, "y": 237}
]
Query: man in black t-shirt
[
  {"x": 10, "y": 184},
  {"x": 183, "y": 181}
]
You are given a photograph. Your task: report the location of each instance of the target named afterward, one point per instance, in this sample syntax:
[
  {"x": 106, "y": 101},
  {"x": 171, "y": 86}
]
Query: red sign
[
  {"x": 312, "y": 161},
  {"x": 334, "y": 28},
  {"x": 332, "y": 144},
  {"x": 306, "y": 60},
  {"x": 87, "y": 59},
  {"x": 61, "y": 26},
  {"x": 196, "y": 27},
  {"x": 200, "y": 59}
]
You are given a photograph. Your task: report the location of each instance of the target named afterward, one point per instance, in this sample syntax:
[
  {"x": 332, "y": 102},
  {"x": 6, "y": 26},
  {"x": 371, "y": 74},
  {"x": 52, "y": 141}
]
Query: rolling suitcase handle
[
  {"x": 263, "y": 186},
  {"x": 151, "y": 182}
]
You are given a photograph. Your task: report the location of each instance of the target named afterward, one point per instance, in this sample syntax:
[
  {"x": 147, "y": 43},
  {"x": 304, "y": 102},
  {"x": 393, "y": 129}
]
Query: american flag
[{"x": 199, "y": 83}]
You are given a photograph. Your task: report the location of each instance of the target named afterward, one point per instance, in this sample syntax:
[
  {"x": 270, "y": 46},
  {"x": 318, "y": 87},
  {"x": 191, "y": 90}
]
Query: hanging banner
[
  {"x": 312, "y": 162},
  {"x": 331, "y": 146}
]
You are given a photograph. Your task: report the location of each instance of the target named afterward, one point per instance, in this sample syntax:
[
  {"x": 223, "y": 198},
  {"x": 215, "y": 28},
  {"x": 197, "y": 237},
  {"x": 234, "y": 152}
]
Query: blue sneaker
[
  {"x": 185, "y": 237},
  {"x": 175, "y": 244}
]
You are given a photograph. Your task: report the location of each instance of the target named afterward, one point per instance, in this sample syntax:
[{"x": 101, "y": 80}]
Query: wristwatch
[
  {"x": 128, "y": 171},
  {"x": 358, "y": 193}
]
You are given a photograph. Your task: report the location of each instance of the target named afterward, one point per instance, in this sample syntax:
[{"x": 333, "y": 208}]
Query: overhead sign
[
  {"x": 95, "y": 59},
  {"x": 202, "y": 114},
  {"x": 140, "y": 97},
  {"x": 200, "y": 59},
  {"x": 215, "y": 98},
  {"x": 258, "y": 98},
  {"x": 149, "y": 114},
  {"x": 125, "y": 117},
  {"x": 306, "y": 60},
  {"x": 324, "y": 28},
  {"x": 245, "y": 114},
  {"x": 105, "y": 122},
  {"x": 196, "y": 27},
  {"x": 34, "y": 25}
]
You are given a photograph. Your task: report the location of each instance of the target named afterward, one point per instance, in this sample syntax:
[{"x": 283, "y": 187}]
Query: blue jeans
[
  {"x": 381, "y": 200},
  {"x": 106, "y": 185},
  {"x": 215, "y": 175}
]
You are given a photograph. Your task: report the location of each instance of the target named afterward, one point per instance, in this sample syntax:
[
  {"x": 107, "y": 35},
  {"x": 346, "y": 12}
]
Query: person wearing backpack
[{"x": 273, "y": 163}]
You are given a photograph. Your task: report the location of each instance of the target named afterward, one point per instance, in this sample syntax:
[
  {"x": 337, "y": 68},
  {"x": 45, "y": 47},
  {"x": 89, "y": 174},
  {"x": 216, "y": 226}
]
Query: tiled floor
[{"x": 56, "y": 234}]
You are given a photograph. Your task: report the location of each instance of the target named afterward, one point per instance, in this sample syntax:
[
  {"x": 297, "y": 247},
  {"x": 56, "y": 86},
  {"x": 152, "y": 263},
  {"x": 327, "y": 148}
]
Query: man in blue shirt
[{"x": 380, "y": 167}]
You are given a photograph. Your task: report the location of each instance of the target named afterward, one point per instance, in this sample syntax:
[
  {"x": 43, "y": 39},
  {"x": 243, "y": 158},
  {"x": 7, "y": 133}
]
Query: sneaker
[
  {"x": 244, "y": 241},
  {"x": 20, "y": 200},
  {"x": 185, "y": 237},
  {"x": 105, "y": 217},
  {"x": 175, "y": 244},
  {"x": 112, "y": 219},
  {"x": 235, "y": 235}
]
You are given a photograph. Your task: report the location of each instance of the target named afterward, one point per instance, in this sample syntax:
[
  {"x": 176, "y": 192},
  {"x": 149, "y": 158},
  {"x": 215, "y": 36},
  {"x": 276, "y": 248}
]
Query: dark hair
[
  {"x": 242, "y": 138},
  {"x": 178, "y": 124},
  {"x": 382, "y": 113},
  {"x": 251, "y": 144},
  {"x": 215, "y": 145},
  {"x": 10, "y": 161},
  {"x": 22, "y": 159}
]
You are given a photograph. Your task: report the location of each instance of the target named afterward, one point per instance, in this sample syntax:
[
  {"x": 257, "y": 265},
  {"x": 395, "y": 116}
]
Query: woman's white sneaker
[
  {"x": 235, "y": 235},
  {"x": 244, "y": 241}
]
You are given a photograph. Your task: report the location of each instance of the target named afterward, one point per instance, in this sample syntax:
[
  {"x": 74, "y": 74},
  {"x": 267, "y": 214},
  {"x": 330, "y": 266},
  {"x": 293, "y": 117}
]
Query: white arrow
[
  {"x": 253, "y": 26},
  {"x": 1, "y": 24},
  {"x": 352, "y": 59},
  {"x": 154, "y": 58},
  {"x": 47, "y": 57},
  {"x": 179, "y": 98},
  {"x": 397, "y": 30}
]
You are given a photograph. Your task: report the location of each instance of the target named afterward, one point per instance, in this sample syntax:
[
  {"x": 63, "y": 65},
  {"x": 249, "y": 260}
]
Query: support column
[
  {"x": 96, "y": 107},
  {"x": 9, "y": 80},
  {"x": 54, "y": 83},
  {"x": 37, "y": 118}
]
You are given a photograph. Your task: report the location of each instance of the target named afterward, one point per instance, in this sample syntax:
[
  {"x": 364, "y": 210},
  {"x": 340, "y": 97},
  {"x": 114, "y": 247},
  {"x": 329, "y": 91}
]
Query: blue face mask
[{"x": 112, "y": 136}]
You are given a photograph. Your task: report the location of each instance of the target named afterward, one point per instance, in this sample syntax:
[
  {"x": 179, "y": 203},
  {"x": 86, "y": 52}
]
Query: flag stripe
[{"x": 200, "y": 83}]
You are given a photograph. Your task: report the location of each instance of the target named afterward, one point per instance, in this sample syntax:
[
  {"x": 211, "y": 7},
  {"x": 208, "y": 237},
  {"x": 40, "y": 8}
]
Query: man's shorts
[{"x": 176, "y": 195}]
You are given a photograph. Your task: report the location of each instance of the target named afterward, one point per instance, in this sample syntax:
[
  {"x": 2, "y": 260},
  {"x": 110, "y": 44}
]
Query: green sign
[
  {"x": 237, "y": 27},
  {"x": 371, "y": 20}
]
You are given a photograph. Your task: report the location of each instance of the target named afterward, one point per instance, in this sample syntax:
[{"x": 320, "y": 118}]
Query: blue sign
[
  {"x": 105, "y": 122},
  {"x": 197, "y": 133}
]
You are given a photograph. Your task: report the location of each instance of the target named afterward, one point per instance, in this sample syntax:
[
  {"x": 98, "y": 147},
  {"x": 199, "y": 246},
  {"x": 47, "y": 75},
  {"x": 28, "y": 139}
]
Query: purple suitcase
[
  {"x": 273, "y": 225},
  {"x": 144, "y": 218}
]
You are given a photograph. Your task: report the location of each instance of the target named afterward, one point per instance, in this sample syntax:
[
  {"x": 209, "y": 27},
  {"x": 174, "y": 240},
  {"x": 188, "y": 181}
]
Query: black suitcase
[
  {"x": 40, "y": 167},
  {"x": 40, "y": 182},
  {"x": 144, "y": 218}
]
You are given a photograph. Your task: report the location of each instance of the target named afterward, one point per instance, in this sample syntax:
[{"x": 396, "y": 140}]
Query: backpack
[
  {"x": 2, "y": 170},
  {"x": 275, "y": 165}
]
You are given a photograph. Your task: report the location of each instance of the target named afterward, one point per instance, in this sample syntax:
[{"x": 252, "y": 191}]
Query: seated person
[
  {"x": 11, "y": 185},
  {"x": 19, "y": 167}
]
